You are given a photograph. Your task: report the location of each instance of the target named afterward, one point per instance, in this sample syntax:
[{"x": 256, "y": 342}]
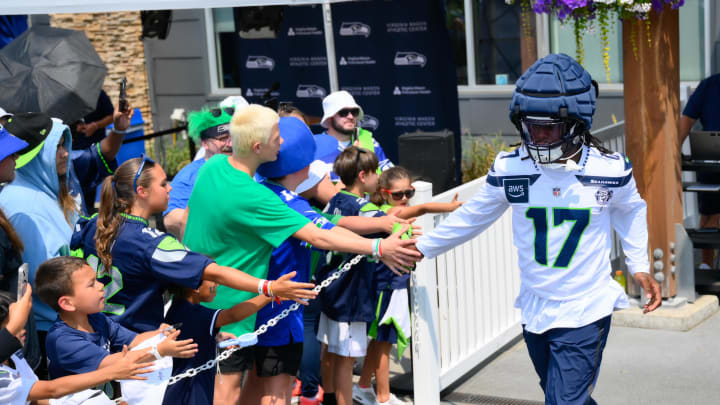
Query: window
[
  {"x": 498, "y": 32},
  {"x": 456, "y": 25},
  {"x": 225, "y": 46}
]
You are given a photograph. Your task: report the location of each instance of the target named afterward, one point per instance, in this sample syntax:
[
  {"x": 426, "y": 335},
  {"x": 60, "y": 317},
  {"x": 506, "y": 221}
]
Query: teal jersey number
[
  {"x": 539, "y": 216},
  {"x": 111, "y": 288}
]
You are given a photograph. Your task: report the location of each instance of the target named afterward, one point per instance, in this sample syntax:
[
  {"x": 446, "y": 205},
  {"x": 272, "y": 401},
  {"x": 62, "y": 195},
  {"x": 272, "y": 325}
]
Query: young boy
[
  {"x": 347, "y": 303},
  {"x": 83, "y": 339},
  {"x": 18, "y": 382},
  {"x": 202, "y": 325}
]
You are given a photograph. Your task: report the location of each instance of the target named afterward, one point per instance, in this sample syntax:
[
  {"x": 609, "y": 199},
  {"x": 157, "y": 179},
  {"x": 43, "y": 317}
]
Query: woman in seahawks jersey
[{"x": 137, "y": 263}]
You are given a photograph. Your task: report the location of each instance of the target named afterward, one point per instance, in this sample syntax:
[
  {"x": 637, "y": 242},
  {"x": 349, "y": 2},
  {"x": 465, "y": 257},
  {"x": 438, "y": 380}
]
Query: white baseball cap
[
  {"x": 318, "y": 171},
  {"x": 335, "y": 102},
  {"x": 236, "y": 102},
  {"x": 4, "y": 113}
]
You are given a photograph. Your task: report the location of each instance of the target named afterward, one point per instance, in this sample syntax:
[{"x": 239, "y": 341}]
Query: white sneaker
[
  {"x": 393, "y": 401},
  {"x": 365, "y": 396}
]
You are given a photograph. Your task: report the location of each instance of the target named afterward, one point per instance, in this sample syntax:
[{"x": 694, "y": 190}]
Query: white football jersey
[{"x": 562, "y": 223}]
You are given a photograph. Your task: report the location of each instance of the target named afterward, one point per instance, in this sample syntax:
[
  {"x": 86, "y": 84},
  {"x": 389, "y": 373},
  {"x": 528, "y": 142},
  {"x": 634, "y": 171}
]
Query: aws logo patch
[{"x": 517, "y": 190}]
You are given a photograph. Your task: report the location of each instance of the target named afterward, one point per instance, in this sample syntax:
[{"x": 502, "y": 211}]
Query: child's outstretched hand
[
  {"x": 129, "y": 366},
  {"x": 177, "y": 348},
  {"x": 455, "y": 204},
  {"x": 291, "y": 290}
]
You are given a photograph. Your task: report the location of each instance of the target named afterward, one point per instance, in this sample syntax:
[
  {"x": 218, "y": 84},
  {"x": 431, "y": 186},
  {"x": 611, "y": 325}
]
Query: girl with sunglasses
[
  {"x": 394, "y": 192},
  {"x": 137, "y": 263}
]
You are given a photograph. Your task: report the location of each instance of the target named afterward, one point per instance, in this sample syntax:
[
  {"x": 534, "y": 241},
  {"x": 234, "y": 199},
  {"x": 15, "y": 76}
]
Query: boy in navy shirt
[
  {"x": 202, "y": 325},
  {"x": 83, "y": 339},
  {"x": 347, "y": 302}
]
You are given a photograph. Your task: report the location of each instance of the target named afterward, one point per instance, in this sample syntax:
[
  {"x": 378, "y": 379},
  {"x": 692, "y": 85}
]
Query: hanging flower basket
[{"x": 587, "y": 14}]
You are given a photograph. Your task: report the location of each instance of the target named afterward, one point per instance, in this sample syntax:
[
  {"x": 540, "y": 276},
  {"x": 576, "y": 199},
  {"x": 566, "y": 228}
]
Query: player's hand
[
  {"x": 177, "y": 348},
  {"x": 129, "y": 366},
  {"x": 19, "y": 311},
  {"x": 396, "y": 252},
  {"x": 291, "y": 290},
  {"x": 653, "y": 292}
]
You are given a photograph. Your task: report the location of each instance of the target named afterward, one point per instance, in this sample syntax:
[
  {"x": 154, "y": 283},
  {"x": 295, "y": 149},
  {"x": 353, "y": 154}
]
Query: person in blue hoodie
[{"x": 40, "y": 208}]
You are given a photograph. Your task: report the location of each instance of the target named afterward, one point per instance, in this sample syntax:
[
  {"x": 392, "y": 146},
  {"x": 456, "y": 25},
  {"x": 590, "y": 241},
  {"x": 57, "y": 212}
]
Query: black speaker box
[
  {"x": 155, "y": 23},
  {"x": 430, "y": 156}
]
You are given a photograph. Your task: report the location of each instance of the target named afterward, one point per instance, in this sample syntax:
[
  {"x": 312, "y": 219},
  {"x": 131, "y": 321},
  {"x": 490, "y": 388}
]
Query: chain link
[{"x": 270, "y": 323}]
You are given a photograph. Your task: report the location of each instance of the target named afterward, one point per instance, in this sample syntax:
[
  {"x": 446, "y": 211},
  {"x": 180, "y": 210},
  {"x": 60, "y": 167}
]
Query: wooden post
[{"x": 652, "y": 115}]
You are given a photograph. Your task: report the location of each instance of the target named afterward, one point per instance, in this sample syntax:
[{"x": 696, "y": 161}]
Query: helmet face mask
[{"x": 548, "y": 139}]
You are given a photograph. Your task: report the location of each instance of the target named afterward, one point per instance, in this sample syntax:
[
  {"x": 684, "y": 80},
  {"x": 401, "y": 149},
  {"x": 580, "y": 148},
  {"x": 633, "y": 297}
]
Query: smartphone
[
  {"x": 123, "y": 105},
  {"x": 23, "y": 272}
]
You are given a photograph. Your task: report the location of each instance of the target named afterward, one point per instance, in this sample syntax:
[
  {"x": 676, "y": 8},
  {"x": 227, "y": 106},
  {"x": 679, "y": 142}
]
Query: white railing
[{"x": 462, "y": 301}]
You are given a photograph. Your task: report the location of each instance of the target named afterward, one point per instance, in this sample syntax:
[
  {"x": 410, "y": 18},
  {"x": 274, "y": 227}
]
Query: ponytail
[{"x": 117, "y": 197}]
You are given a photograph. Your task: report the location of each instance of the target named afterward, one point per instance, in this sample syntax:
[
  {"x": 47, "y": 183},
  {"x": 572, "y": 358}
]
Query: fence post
[{"x": 424, "y": 306}]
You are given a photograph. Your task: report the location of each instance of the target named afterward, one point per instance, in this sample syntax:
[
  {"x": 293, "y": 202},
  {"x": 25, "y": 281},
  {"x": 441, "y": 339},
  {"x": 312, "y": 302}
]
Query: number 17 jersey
[{"x": 562, "y": 228}]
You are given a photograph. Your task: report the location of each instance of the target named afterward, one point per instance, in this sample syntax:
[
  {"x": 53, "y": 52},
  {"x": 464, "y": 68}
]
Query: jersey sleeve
[
  {"x": 91, "y": 167},
  {"x": 628, "y": 215},
  {"x": 693, "y": 108},
  {"x": 173, "y": 263},
  {"x": 383, "y": 162},
  {"x": 466, "y": 222},
  {"x": 119, "y": 335}
]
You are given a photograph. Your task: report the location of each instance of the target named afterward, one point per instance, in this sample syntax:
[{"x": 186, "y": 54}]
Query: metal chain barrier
[{"x": 270, "y": 323}]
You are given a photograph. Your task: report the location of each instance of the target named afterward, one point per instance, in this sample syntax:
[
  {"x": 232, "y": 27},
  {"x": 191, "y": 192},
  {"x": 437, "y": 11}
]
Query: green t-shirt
[{"x": 238, "y": 223}]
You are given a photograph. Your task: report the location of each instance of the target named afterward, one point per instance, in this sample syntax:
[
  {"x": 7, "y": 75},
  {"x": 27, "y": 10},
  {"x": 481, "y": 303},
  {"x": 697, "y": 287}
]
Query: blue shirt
[
  {"x": 328, "y": 149},
  {"x": 145, "y": 262},
  {"x": 350, "y": 298},
  {"x": 198, "y": 324},
  {"x": 71, "y": 351},
  {"x": 182, "y": 185},
  {"x": 291, "y": 255},
  {"x": 90, "y": 168},
  {"x": 704, "y": 103}
]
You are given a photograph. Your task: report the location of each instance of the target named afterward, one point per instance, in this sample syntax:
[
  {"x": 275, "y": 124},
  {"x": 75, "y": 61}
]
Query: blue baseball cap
[
  {"x": 296, "y": 152},
  {"x": 10, "y": 144}
]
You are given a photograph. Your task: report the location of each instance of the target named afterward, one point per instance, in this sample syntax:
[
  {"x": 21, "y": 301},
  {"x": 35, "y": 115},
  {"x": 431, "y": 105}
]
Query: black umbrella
[{"x": 51, "y": 70}]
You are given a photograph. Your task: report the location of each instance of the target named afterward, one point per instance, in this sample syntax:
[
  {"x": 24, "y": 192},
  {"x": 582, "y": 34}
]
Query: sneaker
[
  {"x": 393, "y": 401},
  {"x": 297, "y": 391},
  {"x": 365, "y": 396}
]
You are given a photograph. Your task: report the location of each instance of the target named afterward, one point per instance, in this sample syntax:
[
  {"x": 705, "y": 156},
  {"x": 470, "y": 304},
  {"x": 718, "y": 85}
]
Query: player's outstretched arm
[
  {"x": 127, "y": 367},
  {"x": 239, "y": 280}
]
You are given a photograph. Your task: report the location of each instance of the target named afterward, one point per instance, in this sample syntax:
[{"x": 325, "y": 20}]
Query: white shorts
[{"x": 348, "y": 339}]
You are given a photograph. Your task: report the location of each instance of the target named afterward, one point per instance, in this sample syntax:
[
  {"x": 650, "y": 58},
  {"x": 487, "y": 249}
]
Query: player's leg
[
  {"x": 575, "y": 358},
  {"x": 539, "y": 351}
]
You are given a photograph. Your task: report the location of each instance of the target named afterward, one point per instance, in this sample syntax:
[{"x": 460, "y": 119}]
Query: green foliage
[
  {"x": 172, "y": 156},
  {"x": 479, "y": 158}
]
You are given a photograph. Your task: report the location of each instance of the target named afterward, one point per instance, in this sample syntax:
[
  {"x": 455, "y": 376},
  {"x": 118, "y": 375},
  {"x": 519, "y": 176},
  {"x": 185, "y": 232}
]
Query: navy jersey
[
  {"x": 291, "y": 255},
  {"x": 145, "y": 262},
  {"x": 91, "y": 168},
  {"x": 198, "y": 324},
  {"x": 71, "y": 351},
  {"x": 349, "y": 298}
]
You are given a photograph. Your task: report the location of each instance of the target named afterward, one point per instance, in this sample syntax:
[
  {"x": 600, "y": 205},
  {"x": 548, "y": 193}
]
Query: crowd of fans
[{"x": 267, "y": 211}]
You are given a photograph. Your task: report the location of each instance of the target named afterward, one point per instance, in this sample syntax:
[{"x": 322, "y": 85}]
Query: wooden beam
[{"x": 652, "y": 114}]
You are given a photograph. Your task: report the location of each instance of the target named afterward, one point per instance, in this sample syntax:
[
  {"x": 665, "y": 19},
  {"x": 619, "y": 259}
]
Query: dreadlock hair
[
  {"x": 208, "y": 117},
  {"x": 385, "y": 181},
  {"x": 116, "y": 197}
]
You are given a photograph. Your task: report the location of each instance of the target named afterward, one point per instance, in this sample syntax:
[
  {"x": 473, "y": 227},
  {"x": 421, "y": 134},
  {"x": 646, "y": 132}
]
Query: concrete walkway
[{"x": 640, "y": 366}]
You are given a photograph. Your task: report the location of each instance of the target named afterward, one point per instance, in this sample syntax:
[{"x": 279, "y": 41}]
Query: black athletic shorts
[
  {"x": 275, "y": 360},
  {"x": 239, "y": 361}
]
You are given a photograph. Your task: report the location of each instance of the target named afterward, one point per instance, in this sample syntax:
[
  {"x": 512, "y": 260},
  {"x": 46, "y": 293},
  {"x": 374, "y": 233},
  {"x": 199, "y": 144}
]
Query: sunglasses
[
  {"x": 140, "y": 169},
  {"x": 398, "y": 195},
  {"x": 345, "y": 111},
  {"x": 216, "y": 112}
]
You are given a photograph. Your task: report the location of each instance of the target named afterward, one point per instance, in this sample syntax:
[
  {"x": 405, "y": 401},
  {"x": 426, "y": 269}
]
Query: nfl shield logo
[{"x": 556, "y": 191}]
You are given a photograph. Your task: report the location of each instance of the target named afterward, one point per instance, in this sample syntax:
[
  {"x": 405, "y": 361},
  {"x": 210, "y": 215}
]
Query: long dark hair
[
  {"x": 116, "y": 197},
  {"x": 15, "y": 240}
]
